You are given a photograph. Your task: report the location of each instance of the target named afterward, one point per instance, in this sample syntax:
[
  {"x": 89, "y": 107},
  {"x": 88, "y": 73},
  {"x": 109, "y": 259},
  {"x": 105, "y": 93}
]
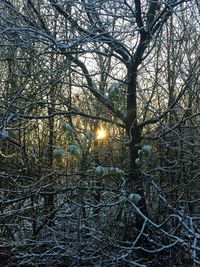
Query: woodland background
[{"x": 99, "y": 133}]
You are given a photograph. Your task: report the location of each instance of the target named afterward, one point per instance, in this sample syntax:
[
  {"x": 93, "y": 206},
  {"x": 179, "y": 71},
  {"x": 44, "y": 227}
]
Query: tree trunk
[
  {"x": 134, "y": 184},
  {"x": 134, "y": 132}
]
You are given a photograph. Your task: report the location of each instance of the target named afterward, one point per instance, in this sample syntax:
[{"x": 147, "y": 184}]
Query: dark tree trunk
[
  {"x": 134, "y": 182},
  {"x": 134, "y": 132}
]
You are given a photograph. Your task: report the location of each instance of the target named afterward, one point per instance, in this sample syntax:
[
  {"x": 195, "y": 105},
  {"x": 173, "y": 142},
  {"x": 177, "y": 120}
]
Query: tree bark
[{"x": 134, "y": 132}]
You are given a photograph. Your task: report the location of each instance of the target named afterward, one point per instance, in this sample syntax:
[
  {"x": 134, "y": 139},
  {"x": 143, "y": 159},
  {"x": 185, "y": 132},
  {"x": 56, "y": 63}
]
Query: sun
[{"x": 101, "y": 133}]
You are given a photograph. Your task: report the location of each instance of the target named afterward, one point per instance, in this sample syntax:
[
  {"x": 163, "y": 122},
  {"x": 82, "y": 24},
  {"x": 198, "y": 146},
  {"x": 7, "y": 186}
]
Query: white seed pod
[
  {"x": 119, "y": 172},
  {"x": 146, "y": 148},
  {"x": 135, "y": 198},
  {"x": 3, "y": 134},
  {"x": 67, "y": 128},
  {"x": 88, "y": 135},
  {"x": 82, "y": 184},
  {"x": 100, "y": 171},
  {"x": 57, "y": 153},
  {"x": 73, "y": 150},
  {"x": 137, "y": 162}
]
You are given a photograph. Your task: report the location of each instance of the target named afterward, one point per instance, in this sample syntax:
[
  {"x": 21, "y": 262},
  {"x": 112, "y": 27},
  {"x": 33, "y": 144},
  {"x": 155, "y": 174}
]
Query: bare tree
[{"x": 134, "y": 66}]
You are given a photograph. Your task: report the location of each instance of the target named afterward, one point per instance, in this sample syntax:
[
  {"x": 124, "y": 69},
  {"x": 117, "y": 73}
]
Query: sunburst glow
[{"x": 101, "y": 134}]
